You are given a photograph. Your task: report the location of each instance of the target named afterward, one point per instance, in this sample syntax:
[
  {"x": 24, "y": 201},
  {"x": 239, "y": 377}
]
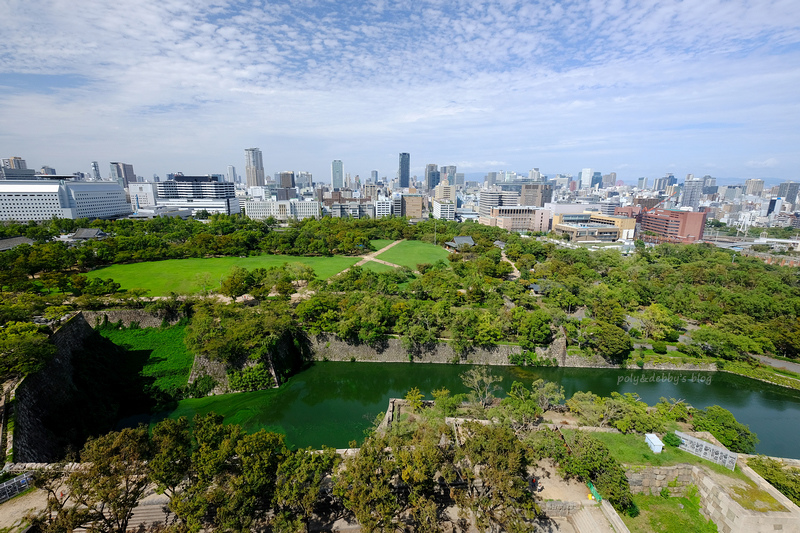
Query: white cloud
[{"x": 176, "y": 84}]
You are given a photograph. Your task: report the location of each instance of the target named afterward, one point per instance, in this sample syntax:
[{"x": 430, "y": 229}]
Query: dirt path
[
  {"x": 515, "y": 275},
  {"x": 372, "y": 256}
]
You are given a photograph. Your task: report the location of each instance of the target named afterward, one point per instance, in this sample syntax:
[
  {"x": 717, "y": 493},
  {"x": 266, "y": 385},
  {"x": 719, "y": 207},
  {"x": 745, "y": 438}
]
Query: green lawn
[
  {"x": 667, "y": 515},
  {"x": 168, "y": 360},
  {"x": 376, "y": 267},
  {"x": 190, "y": 275},
  {"x": 381, "y": 243},
  {"x": 412, "y": 253}
]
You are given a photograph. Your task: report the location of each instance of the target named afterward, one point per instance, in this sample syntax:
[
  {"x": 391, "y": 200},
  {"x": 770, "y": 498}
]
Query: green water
[{"x": 333, "y": 403}]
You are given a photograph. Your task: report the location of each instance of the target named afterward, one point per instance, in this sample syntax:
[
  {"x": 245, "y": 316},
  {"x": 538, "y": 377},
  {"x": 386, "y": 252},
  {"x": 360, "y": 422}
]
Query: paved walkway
[{"x": 777, "y": 363}]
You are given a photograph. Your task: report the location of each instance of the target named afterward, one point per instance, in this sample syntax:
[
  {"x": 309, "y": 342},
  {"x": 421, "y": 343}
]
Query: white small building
[
  {"x": 653, "y": 442},
  {"x": 444, "y": 209}
]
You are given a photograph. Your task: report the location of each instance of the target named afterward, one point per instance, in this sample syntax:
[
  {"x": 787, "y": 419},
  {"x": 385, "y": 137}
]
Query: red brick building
[{"x": 666, "y": 225}]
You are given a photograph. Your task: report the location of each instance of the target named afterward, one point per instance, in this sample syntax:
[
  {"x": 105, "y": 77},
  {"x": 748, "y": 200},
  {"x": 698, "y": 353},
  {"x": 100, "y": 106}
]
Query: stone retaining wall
[
  {"x": 142, "y": 317},
  {"x": 715, "y": 502},
  {"x": 38, "y": 393}
]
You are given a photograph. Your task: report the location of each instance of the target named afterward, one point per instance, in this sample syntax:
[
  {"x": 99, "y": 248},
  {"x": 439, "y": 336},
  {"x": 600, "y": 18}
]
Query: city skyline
[{"x": 640, "y": 90}]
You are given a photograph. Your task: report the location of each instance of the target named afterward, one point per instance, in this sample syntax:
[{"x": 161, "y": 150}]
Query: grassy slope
[
  {"x": 411, "y": 253},
  {"x": 667, "y": 515},
  {"x": 376, "y": 267},
  {"x": 380, "y": 243},
  {"x": 168, "y": 361},
  {"x": 186, "y": 275}
]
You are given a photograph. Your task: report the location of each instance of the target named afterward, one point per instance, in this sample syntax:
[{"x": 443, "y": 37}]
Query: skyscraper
[
  {"x": 231, "y": 174},
  {"x": 122, "y": 173},
  {"x": 15, "y": 163},
  {"x": 403, "y": 173},
  {"x": 95, "y": 171},
  {"x": 337, "y": 174},
  {"x": 374, "y": 176},
  {"x": 586, "y": 178},
  {"x": 692, "y": 190},
  {"x": 287, "y": 179},
  {"x": 432, "y": 176},
  {"x": 642, "y": 183},
  {"x": 254, "y": 167},
  {"x": 754, "y": 187},
  {"x": 448, "y": 173},
  {"x": 788, "y": 191}
]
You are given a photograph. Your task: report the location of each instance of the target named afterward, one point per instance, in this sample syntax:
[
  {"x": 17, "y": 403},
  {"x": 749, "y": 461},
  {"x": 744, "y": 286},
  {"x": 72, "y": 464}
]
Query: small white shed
[{"x": 653, "y": 442}]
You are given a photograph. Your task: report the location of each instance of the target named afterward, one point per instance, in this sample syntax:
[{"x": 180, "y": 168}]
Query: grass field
[
  {"x": 380, "y": 243},
  {"x": 168, "y": 360},
  {"x": 189, "y": 275},
  {"x": 376, "y": 267},
  {"x": 667, "y": 515},
  {"x": 412, "y": 253}
]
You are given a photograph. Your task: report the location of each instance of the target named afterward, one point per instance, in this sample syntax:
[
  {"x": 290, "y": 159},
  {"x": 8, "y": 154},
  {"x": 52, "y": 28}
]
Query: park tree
[
  {"x": 493, "y": 463},
  {"x": 236, "y": 283},
  {"x": 723, "y": 425},
  {"x": 609, "y": 341},
  {"x": 102, "y": 493},
  {"x": 298, "y": 488},
  {"x": 482, "y": 385},
  {"x": 520, "y": 408},
  {"x": 23, "y": 349},
  {"x": 547, "y": 394},
  {"x": 171, "y": 461}
]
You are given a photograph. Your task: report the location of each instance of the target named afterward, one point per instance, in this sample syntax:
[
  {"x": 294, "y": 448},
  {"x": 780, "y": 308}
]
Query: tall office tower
[
  {"x": 303, "y": 179},
  {"x": 374, "y": 176},
  {"x": 287, "y": 179},
  {"x": 597, "y": 179},
  {"x": 586, "y": 178},
  {"x": 692, "y": 191},
  {"x": 536, "y": 194},
  {"x": 754, "y": 187},
  {"x": 254, "y": 167},
  {"x": 122, "y": 173},
  {"x": 534, "y": 174},
  {"x": 459, "y": 179},
  {"x": 642, "y": 183},
  {"x": 447, "y": 173},
  {"x": 15, "y": 163},
  {"x": 231, "y": 174},
  {"x": 431, "y": 174},
  {"x": 48, "y": 171},
  {"x": 404, "y": 170},
  {"x": 708, "y": 181},
  {"x": 337, "y": 174},
  {"x": 609, "y": 180},
  {"x": 96, "y": 171},
  {"x": 491, "y": 178},
  {"x": 788, "y": 191},
  {"x": 671, "y": 179}
]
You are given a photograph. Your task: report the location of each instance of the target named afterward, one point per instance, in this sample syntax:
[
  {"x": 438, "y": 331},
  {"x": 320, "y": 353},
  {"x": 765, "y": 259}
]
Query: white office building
[
  {"x": 142, "y": 194},
  {"x": 282, "y": 210},
  {"x": 198, "y": 193},
  {"x": 39, "y": 200},
  {"x": 444, "y": 209},
  {"x": 383, "y": 207}
]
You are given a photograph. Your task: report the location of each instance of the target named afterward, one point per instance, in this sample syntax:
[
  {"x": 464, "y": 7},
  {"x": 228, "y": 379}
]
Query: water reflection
[{"x": 332, "y": 403}]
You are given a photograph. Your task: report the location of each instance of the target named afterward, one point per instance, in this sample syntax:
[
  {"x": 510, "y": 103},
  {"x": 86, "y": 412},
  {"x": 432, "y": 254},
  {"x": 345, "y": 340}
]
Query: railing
[{"x": 19, "y": 484}]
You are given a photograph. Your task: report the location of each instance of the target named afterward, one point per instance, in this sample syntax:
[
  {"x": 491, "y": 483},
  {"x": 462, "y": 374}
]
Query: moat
[{"x": 332, "y": 403}]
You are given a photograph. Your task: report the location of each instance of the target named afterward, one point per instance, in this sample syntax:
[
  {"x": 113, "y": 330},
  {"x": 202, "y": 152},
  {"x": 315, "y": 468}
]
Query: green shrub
[
  {"x": 672, "y": 336},
  {"x": 671, "y": 439},
  {"x": 256, "y": 377},
  {"x": 664, "y": 492},
  {"x": 633, "y": 510},
  {"x": 640, "y": 363},
  {"x": 660, "y": 347},
  {"x": 635, "y": 333},
  {"x": 201, "y": 387}
]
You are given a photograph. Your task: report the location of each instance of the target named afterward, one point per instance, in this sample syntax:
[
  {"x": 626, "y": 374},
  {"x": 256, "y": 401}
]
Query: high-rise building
[
  {"x": 303, "y": 179},
  {"x": 15, "y": 163},
  {"x": 586, "y": 178},
  {"x": 447, "y": 173},
  {"x": 231, "y": 174},
  {"x": 754, "y": 187},
  {"x": 47, "y": 171},
  {"x": 597, "y": 179},
  {"x": 254, "y": 167},
  {"x": 337, "y": 174},
  {"x": 534, "y": 175},
  {"x": 287, "y": 179},
  {"x": 374, "y": 176},
  {"x": 404, "y": 170},
  {"x": 432, "y": 176},
  {"x": 96, "y": 171},
  {"x": 788, "y": 191},
  {"x": 122, "y": 173},
  {"x": 692, "y": 191},
  {"x": 536, "y": 194},
  {"x": 642, "y": 183}
]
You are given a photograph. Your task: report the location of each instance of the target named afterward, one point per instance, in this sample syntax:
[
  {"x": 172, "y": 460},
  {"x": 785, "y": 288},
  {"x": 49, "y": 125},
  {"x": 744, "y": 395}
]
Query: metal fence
[
  {"x": 701, "y": 448},
  {"x": 11, "y": 488}
]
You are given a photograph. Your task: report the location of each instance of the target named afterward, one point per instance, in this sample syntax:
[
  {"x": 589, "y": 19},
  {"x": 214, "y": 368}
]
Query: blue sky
[{"x": 639, "y": 88}]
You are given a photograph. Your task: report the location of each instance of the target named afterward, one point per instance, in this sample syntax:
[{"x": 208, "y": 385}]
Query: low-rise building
[
  {"x": 667, "y": 225},
  {"x": 38, "y": 200},
  {"x": 282, "y": 210},
  {"x": 517, "y": 218},
  {"x": 444, "y": 209}
]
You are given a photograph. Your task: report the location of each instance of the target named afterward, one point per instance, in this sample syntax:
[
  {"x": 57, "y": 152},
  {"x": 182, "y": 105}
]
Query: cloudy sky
[{"x": 637, "y": 87}]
